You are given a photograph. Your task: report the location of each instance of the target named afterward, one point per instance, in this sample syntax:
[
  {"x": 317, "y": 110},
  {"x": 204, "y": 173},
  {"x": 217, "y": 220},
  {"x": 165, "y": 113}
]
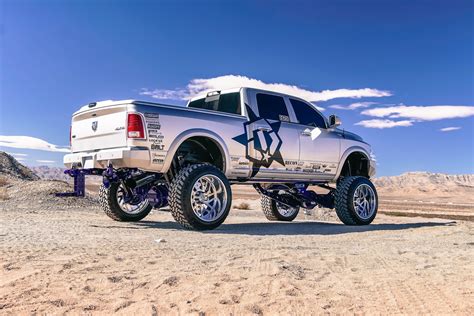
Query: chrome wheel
[
  {"x": 131, "y": 206},
  {"x": 209, "y": 198},
  {"x": 285, "y": 210},
  {"x": 365, "y": 202}
]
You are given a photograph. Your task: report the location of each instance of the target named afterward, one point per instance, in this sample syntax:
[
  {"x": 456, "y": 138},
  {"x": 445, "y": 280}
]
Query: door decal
[{"x": 265, "y": 140}]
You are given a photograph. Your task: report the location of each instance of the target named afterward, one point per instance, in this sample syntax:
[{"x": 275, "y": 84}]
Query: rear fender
[{"x": 193, "y": 133}]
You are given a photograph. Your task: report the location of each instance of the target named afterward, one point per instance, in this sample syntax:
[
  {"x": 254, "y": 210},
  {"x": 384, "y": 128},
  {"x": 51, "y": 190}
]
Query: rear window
[
  {"x": 228, "y": 103},
  {"x": 272, "y": 107}
]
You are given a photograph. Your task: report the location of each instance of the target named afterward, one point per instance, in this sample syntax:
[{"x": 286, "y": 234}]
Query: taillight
[{"x": 135, "y": 126}]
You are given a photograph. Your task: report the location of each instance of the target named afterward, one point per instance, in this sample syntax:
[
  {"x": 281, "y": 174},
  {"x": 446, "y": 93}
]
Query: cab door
[
  {"x": 273, "y": 140},
  {"x": 319, "y": 146}
]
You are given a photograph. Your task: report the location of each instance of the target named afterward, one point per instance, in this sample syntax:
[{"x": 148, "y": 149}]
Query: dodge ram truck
[{"x": 154, "y": 155}]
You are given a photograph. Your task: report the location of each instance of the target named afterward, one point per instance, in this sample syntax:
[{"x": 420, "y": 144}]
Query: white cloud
[
  {"x": 28, "y": 142},
  {"x": 201, "y": 86},
  {"x": 384, "y": 123},
  {"x": 46, "y": 161},
  {"x": 20, "y": 159},
  {"x": 17, "y": 154},
  {"x": 422, "y": 113},
  {"x": 353, "y": 106},
  {"x": 164, "y": 94},
  {"x": 449, "y": 129}
]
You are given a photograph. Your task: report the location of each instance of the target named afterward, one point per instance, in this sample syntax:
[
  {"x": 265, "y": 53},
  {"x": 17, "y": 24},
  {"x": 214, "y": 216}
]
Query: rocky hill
[
  {"x": 19, "y": 191},
  {"x": 11, "y": 168}
]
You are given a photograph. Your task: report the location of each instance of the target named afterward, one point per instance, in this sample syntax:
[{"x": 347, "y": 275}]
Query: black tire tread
[
  {"x": 343, "y": 200},
  {"x": 270, "y": 210},
  {"x": 267, "y": 208},
  {"x": 174, "y": 200},
  {"x": 109, "y": 205}
]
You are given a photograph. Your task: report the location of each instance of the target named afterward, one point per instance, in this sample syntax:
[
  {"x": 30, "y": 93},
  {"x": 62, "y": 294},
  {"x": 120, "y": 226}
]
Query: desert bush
[
  {"x": 3, "y": 190},
  {"x": 3, "y": 181},
  {"x": 242, "y": 206},
  {"x": 3, "y": 194}
]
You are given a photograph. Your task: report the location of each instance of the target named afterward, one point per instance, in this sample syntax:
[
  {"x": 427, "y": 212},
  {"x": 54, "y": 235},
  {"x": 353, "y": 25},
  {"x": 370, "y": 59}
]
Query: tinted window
[
  {"x": 306, "y": 115},
  {"x": 272, "y": 107},
  {"x": 228, "y": 103}
]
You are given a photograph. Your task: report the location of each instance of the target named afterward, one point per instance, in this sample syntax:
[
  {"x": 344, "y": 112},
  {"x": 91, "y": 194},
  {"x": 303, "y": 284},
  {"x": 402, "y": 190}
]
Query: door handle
[
  {"x": 306, "y": 132},
  {"x": 263, "y": 128}
]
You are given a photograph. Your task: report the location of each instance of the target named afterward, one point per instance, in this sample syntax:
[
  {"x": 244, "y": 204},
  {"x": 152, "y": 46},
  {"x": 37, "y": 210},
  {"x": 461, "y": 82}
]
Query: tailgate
[{"x": 99, "y": 128}]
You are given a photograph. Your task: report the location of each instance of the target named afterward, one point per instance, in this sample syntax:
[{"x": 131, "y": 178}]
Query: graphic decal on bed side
[{"x": 264, "y": 138}]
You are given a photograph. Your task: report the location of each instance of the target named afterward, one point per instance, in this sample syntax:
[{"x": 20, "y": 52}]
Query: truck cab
[{"x": 286, "y": 137}]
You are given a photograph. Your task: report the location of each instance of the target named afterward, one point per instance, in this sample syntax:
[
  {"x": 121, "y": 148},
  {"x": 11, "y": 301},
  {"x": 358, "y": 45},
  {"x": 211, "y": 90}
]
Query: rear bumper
[{"x": 118, "y": 157}]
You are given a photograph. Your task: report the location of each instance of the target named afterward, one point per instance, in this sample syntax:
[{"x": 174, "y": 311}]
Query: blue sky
[{"x": 59, "y": 55}]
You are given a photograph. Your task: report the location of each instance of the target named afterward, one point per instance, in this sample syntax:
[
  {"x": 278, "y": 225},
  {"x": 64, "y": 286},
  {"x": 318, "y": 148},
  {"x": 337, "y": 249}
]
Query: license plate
[{"x": 88, "y": 163}]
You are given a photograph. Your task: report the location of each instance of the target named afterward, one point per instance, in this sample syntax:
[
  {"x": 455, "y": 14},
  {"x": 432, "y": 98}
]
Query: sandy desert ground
[{"x": 72, "y": 259}]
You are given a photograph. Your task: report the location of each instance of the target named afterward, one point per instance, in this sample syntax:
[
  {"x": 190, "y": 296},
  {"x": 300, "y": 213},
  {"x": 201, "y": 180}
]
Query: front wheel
[
  {"x": 200, "y": 197},
  {"x": 356, "y": 201},
  {"x": 115, "y": 204},
  {"x": 276, "y": 211}
]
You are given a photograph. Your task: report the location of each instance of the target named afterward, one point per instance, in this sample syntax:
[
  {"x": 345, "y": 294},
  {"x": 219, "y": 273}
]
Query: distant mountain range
[
  {"x": 50, "y": 173},
  {"x": 411, "y": 179},
  {"x": 428, "y": 187}
]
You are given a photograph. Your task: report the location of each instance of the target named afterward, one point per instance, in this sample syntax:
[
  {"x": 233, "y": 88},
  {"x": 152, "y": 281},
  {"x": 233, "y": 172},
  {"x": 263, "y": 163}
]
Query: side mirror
[{"x": 334, "y": 121}]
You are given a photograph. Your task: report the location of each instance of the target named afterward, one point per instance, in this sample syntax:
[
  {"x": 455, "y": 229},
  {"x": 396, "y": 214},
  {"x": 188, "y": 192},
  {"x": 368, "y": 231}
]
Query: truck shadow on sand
[{"x": 295, "y": 228}]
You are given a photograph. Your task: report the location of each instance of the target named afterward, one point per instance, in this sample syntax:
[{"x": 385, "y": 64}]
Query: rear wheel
[
  {"x": 276, "y": 211},
  {"x": 115, "y": 204},
  {"x": 356, "y": 201},
  {"x": 200, "y": 197}
]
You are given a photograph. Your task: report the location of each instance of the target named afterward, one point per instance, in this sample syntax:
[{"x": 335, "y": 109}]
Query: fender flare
[
  {"x": 181, "y": 138},
  {"x": 346, "y": 154}
]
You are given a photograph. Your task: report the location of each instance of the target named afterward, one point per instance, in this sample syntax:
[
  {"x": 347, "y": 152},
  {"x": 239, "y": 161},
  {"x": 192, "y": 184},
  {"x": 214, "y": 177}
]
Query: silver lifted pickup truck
[{"x": 153, "y": 155}]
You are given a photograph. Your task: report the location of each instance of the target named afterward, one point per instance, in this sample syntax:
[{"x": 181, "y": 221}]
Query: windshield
[{"x": 228, "y": 103}]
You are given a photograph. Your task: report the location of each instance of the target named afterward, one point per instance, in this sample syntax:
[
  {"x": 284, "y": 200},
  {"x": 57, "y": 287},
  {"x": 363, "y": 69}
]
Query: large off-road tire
[
  {"x": 275, "y": 211},
  {"x": 110, "y": 202},
  {"x": 200, "y": 197},
  {"x": 356, "y": 201}
]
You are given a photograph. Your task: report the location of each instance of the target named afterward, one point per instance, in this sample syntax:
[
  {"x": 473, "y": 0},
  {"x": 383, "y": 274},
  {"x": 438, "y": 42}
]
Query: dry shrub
[
  {"x": 3, "y": 190},
  {"x": 3, "y": 194},
  {"x": 3, "y": 181},
  {"x": 243, "y": 206}
]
